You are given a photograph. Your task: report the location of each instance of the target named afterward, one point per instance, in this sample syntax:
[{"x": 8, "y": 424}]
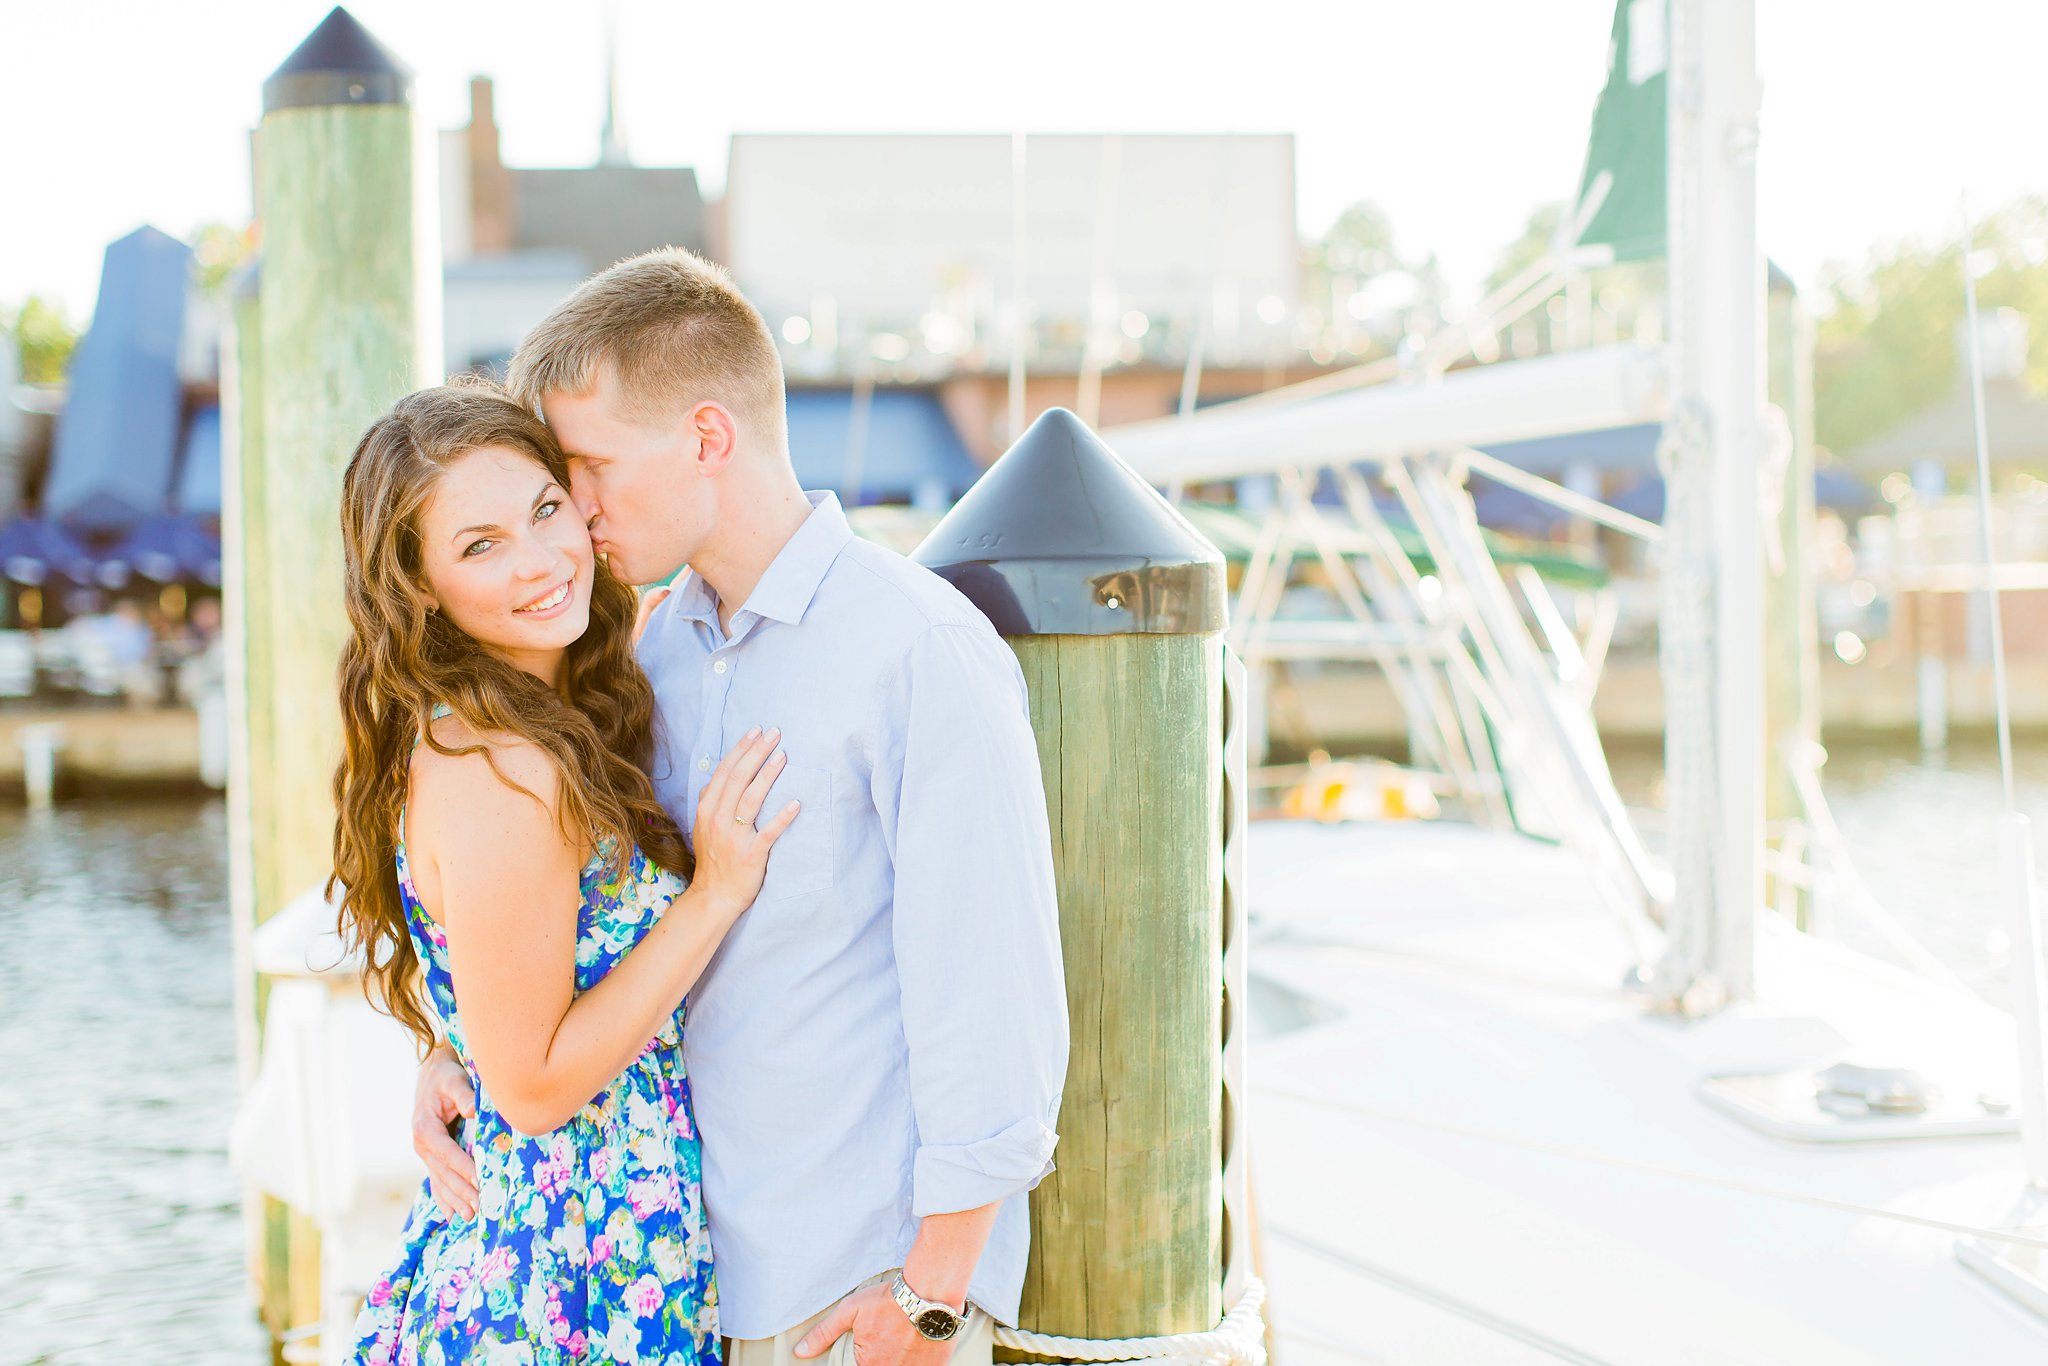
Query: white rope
[
  {"x": 1682, "y": 977},
  {"x": 1240, "y": 1338}
]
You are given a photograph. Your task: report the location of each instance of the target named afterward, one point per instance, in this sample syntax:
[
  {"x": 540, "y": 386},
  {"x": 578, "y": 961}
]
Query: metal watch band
[{"x": 920, "y": 1310}]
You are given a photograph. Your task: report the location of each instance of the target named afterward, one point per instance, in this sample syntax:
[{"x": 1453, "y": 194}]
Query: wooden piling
[
  {"x": 1115, "y": 608},
  {"x": 347, "y": 264},
  {"x": 341, "y": 324},
  {"x": 250, "y": 783}
]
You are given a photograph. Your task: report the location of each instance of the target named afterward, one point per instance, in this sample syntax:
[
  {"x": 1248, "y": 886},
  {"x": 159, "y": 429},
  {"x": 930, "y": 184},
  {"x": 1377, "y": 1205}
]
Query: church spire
[{"x": 612, "y": 149}]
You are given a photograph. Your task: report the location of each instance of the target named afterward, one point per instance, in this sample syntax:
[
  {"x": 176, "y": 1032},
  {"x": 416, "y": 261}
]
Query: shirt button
[
  {"x": 703, "y": 765},
  {"x": 719, "y": 667}
]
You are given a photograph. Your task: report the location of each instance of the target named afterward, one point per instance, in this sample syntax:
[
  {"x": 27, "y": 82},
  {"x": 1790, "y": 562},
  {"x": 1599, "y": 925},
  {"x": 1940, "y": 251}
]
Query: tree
[
  {"x": 218, "y": 250},
  {"x": 1362, "y": 294},
  {"x": 1885, "y": 345},
  {"x": 1532, "y": 246},
  {"x": 1616, "y": 295},
  {"x": 44, "y": 338}
]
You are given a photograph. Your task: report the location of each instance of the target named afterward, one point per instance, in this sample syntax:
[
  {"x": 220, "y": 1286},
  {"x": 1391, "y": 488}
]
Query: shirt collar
[{"x": 785, "y": 591}]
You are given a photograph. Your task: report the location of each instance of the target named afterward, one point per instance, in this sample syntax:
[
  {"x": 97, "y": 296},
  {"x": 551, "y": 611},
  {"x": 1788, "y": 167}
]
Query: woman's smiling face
[{"x": 506, "y": 558}]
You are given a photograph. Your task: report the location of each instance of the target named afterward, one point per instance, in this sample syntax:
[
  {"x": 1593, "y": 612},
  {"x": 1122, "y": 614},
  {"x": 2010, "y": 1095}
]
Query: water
[
  {"x": 120, "y": 1233},
  {"x": 1922, "y": 831}
]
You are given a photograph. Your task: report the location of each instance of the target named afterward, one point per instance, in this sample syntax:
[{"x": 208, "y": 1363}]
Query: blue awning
[
  {"x": 1842, "y": 492},
  {"x": 1509, "y": 509},
  {"x": 117, "y": 438},
  {"x": 911, "y": 454},
  {"x": 199, "y": 465},
  {"x": 1633, "y": 447}
]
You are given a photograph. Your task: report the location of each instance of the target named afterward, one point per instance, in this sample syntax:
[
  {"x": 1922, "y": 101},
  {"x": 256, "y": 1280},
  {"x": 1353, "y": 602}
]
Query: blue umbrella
[
  {"x": 34, "y": 550},
  {"x": 172, "y": 549}
]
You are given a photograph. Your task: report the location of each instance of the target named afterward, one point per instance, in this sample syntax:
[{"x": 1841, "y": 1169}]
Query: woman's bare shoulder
[{"x": 503, "y": 787}]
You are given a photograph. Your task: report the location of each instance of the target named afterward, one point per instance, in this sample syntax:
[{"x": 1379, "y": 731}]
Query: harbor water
[
  {"x": 120, "y": 1227},
  {"x": 120, "y": 1232}
]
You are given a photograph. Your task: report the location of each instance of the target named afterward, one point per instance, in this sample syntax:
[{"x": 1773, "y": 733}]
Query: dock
[
  {"x": 107, "y": 749},
  {"x": 134, "y": 749}
]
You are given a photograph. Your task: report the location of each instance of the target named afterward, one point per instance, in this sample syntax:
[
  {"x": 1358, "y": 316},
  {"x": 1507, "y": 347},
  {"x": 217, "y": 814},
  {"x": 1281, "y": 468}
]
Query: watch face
[{"x": 936, "y": 1324}]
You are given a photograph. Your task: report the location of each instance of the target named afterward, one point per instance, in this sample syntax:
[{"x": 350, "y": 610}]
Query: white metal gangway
[{"x": 1495, "y": 682}]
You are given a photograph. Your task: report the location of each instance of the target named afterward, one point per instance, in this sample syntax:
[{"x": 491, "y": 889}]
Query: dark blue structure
[
  {"x": 198, "y": 491},
  {"x": 911, "y": 454},
  {"x": 117, "y": 439}
]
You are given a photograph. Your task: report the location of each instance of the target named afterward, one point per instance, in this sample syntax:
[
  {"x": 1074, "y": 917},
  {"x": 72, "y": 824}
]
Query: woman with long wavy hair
[{"x": 521, "y": 896}]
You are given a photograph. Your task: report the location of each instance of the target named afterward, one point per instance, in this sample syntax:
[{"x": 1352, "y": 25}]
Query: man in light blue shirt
[{"x": 877, "y": 1051}]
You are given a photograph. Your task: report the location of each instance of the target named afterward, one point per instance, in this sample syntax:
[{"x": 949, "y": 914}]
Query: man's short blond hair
[{"x": 676, "y": 332}]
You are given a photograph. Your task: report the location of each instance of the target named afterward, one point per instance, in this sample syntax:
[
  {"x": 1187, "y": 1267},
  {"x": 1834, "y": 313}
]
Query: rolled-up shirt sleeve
[{"x": 976, "y": 926}]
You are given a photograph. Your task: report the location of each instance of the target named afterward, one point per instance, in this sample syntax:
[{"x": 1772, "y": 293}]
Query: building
[
  {"x": 514, "y": 240},
  {"x": 900, "y": 260}
]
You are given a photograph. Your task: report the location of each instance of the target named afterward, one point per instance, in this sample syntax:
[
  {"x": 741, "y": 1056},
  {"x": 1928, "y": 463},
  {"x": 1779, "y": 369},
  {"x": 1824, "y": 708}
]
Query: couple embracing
[{"x": 743, "y": 955}]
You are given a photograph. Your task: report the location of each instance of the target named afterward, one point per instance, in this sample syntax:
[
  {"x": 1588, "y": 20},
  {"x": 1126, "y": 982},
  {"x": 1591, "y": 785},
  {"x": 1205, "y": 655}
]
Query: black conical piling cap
[
  {"x": 339, "y": 63},
  {"x": 1060, "y": 537}
]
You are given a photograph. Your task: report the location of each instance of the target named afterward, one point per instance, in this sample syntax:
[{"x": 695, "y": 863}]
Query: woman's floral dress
[{"x": 588, "y": 1244}]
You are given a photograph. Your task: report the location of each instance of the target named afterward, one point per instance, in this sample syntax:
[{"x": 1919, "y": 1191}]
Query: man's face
[{"x": 635, "y": 485}]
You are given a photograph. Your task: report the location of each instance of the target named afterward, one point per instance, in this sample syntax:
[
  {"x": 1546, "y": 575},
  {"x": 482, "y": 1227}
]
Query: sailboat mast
[{"x": 1712, "y": 642}]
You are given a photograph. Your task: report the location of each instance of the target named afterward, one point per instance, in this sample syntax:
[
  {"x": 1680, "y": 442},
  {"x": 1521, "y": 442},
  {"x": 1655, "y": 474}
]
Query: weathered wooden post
[
  {"x": 245, "y": 587},
  {"x": 343, "y": 323},
  {"x": 1116, "y": 607}
]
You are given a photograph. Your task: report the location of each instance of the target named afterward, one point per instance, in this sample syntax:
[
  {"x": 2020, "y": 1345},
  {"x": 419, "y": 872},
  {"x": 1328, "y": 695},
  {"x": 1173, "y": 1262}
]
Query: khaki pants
[{"x": 973, "y": 1345}]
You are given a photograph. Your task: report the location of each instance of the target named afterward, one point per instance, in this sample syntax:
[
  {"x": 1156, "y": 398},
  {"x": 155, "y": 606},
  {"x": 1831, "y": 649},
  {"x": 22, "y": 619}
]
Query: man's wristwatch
[{"x": 937, "y": 1322}]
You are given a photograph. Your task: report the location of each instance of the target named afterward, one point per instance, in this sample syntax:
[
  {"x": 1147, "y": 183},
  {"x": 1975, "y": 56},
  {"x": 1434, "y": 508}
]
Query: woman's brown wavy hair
[{"x": 401, "y": 659}]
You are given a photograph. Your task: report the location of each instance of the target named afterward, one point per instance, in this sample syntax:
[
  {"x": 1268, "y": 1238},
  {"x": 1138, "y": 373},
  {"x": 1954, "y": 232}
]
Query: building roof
[
  {"x": 117, "y": 438},
  {"x": 2015, "y": 427},
  {"x": 607, "y": 213}
]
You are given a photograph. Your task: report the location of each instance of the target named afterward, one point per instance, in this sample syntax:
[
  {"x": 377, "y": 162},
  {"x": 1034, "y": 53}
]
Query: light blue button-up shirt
[{"x": 884, "y": 1034}]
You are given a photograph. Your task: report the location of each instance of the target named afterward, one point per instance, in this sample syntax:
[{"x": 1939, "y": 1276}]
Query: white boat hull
[{"x": 1464, "y": 1130}]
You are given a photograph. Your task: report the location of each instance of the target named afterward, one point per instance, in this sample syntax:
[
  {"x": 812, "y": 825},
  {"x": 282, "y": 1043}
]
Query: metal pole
[
  {"x": 1115, "y": 608},
  {"x": 1713, "y": 601},
  {"x": 1019, "y": 323},
  {"x": 2015, "y": 839}
]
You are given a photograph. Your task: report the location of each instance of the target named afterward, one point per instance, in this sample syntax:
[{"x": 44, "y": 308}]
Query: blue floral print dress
[{"x": 588, "y": 1244}]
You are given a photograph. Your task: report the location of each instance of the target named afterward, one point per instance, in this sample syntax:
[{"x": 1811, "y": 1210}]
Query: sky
[{"x": 1455, "y": 116}]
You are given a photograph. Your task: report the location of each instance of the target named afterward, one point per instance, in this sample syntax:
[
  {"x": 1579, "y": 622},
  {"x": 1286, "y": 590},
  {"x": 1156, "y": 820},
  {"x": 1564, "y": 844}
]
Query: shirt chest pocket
[{"x": 801, "y": 861}]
